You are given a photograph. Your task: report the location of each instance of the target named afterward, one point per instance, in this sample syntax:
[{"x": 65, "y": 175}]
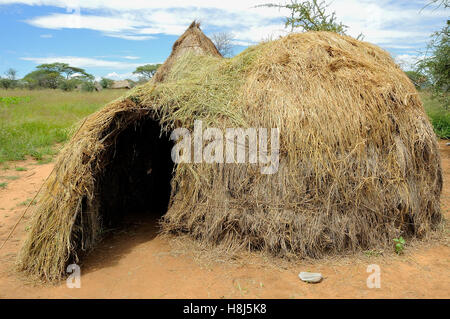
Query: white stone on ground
[{"x": 310, "y": 277}]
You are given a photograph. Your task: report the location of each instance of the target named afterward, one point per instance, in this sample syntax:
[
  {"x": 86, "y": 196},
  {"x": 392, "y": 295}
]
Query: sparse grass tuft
[
  {"x": 43, "y": 161},
  {"x": 27, "y": 202},
  {"x": 10, "y": 178},
  {"x": 373, "y": 253}
]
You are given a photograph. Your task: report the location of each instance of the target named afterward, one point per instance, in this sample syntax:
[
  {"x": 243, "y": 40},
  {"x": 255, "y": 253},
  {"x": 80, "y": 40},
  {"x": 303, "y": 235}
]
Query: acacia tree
[
  {"x": 310, "y": 15},
  {"x": 56, "y": 75},
  {"x": 64, "y": 69},
  {"x": 43, "y": 79},
  {"x": 11, "y": 74},
  {"x": 222, "y": 41},
  {"x": 10, "y": 81},
  {"x": 146, "y": 72},
  {"x": 444, "y": 3},
  {"x": 436, "y": 61}
]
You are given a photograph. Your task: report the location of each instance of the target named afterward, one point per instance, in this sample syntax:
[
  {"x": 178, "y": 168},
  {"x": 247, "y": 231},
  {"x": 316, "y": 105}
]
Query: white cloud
[
  {"x": 125, "y": 57},
  {"x": 396, "y": 46},
  {"x": 130, "y": 57},
  {"x": 83, "y": 62},
  {"x": 406, "y": 61},
  {"x": 130, "y": 37},
  {"x": 392, "y": 24},
  {"x": 141, "y": 20},
  {"x": 258, "y": 33},
  {"x": 73, "y": 21},
  {"x": 121, "y": 76}
]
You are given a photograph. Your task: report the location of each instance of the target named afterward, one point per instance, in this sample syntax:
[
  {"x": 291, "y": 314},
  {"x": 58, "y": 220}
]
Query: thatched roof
[
  {"x": 98, "y": 87},
  {"x": 359, "y": 162},
  {"x": 192, "y": 40},
  {"x": 124, "y": 84}
]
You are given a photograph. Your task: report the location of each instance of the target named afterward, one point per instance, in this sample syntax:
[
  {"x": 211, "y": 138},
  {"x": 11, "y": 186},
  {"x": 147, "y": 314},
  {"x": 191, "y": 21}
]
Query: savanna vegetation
[
  {"x": 33, "y": 123},
  {"x": 67, "y": 78}
]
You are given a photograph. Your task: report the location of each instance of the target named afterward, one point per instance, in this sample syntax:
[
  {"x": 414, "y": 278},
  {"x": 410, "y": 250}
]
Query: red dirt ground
[{"x": 134, "y": 263}]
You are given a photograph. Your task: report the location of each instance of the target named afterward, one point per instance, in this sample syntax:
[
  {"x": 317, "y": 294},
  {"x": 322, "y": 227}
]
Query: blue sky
[{"x": 112, "y": 37}]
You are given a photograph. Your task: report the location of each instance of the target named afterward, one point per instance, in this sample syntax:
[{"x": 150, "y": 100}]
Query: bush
[
  {"x": 7, "y": 83},
  {"x": 437, "y": 113},
  {"x": 106, "y": 83},
  {"x": 441, "y": 123},
  {"x": 43, "y": 79},
  {"x": 88, "y": 87},
  {"x": 69, "y": 85}
]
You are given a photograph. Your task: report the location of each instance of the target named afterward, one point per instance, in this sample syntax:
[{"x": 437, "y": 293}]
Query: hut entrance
[{"x": 135, "y": 183}]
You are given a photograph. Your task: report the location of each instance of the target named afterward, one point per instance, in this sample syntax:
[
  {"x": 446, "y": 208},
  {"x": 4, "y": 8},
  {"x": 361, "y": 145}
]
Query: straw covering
[{"x": 359, "y": 162}]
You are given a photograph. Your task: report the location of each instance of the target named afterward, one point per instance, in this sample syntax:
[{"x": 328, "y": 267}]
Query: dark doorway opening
[{"x": 135, "y": 186}]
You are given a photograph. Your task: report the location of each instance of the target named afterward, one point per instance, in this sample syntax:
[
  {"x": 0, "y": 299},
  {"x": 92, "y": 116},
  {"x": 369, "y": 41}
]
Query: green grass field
[
  {"x": 33, "y": 122},
  {"x": 439, "y": 116}
]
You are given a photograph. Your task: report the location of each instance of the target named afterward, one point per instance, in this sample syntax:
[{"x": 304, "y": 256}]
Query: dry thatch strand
[{"x": 359, "y": 162}]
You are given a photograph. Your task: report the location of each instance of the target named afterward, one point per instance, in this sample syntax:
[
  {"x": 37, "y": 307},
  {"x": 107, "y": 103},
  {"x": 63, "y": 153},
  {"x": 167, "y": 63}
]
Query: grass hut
[
  {"x": 359, "y": 162},
  {"x": 123, "y": 84},
  {"x": 98, "y": 87}
]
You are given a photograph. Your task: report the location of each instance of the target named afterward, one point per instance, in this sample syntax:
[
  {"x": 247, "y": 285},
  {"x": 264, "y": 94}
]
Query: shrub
[
  {"x": 106, "y": 83},
  {"x": 69, "y": 85},
  {"x": 87, "y": 86}
]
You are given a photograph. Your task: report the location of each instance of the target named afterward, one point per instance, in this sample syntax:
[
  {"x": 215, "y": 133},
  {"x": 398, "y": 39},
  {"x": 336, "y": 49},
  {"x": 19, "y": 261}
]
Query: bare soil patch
[{"x": 134, "y": 263}]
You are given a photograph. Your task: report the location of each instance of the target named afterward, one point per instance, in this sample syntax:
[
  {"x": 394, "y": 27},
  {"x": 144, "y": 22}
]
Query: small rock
[
  {"x": 310, "y": 277},
  {"x": 448, "y": 144}
]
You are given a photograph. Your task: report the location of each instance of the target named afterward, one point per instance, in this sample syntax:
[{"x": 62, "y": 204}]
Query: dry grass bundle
[
  {"x": 193, "y": 40},
  {"x": 359, "y": 161}
]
